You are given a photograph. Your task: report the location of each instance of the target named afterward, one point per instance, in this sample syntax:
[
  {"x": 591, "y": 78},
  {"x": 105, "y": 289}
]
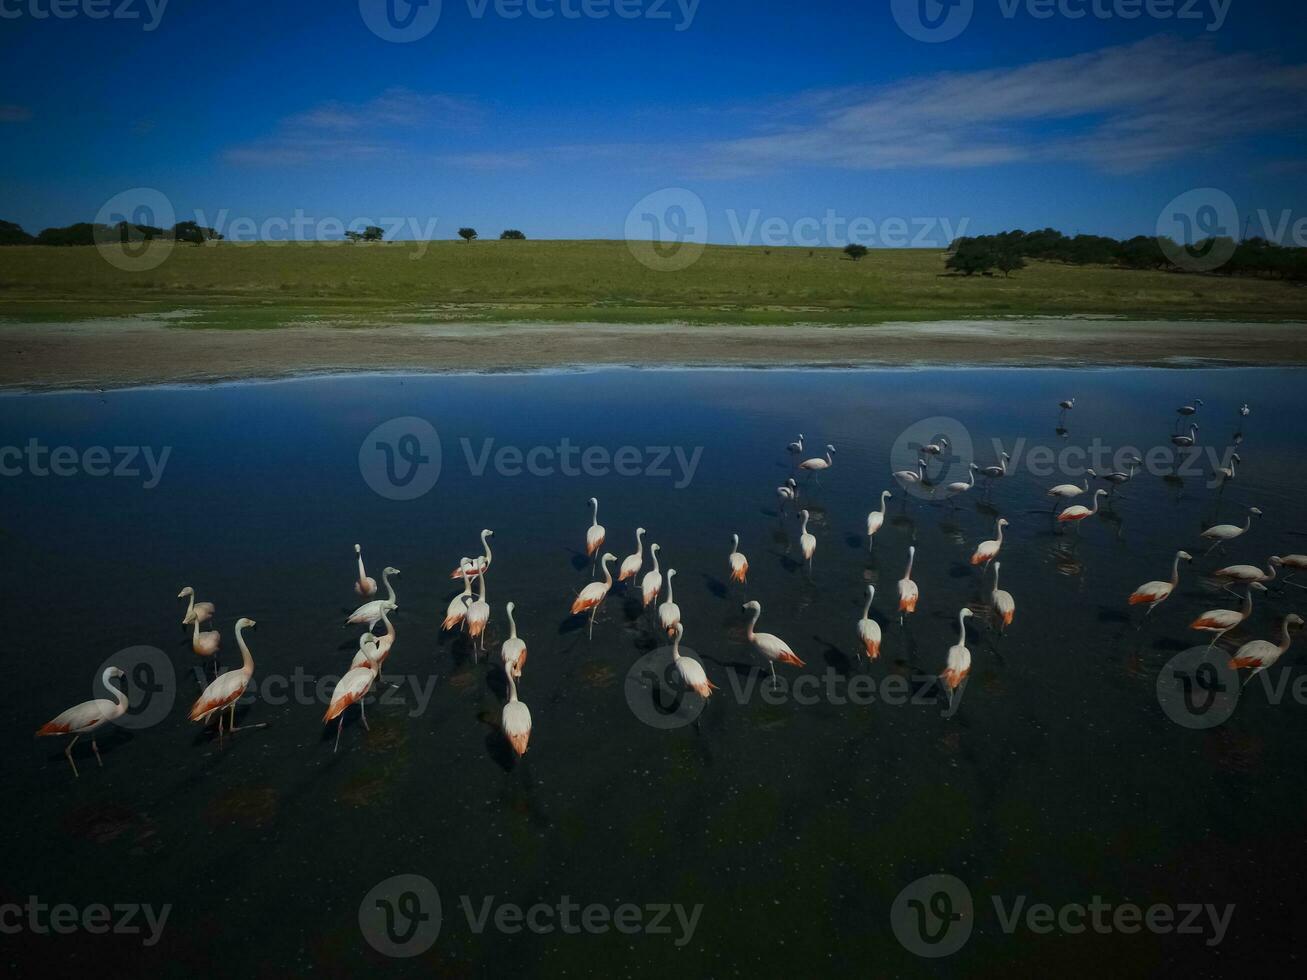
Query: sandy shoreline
[{"x": 116, "y": 353}]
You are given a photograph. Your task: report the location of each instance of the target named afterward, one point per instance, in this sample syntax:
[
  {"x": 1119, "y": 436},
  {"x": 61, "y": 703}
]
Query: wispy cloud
[
  {"x": 1123, "y": 109},
  {"x": 376, "y": 129},
  {"x": 14, "y": 113}
]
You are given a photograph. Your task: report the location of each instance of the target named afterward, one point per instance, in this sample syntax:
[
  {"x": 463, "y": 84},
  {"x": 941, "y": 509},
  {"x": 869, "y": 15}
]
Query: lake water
[{"x": 782, "y": 824}]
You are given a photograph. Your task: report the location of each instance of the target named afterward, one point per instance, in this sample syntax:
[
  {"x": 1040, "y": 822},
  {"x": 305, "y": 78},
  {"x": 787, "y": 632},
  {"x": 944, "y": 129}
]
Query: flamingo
[
  {"x": 669, "y": 613},
  {"x": 772, "y": 647},
  {"x": 1004, "y": 604},
  {"x": 653, "y": 580},
  {"x": 1067, "y": 404},
  {"x": 479, "y": 564},
  {"x": 1260, "y": 654},
  {"x": 960, "y": 486},
  {"x": 999, "y": 471},
  {"x": 1227, "y": 472},
  {"x": 691, "y": 671},
  {"x": 1078, "y": 512},
  {"x": 227, "y": 688},
  {"x": 89, "y": 717},
  {"x": 1186, "y": 441},
  {"x": 352, "y": 688},
  {"x": 1295, "y": 562},
  {"x": 796, "y": 447},
  {"x": 908, "y": 592},
  {"x": 1218, "y": 622},
  {"x": 1220, "y": 534},
  {"x": 1190, "y": 409},
  {"x": 382, "y": 643},
  {"x": 807, "y": 542},
  {"x": 959, "y": 658},
  {"x": 513, "y": 651},
  {"x": 370, "y": 612},
  {"x": 787, "y": 492},
  {"x": 516, "y": 719},
  {"x": 1155, "y": 593},
  {"x": 365, "y": 585},
  {"x": 912, "y": 476},
  {"x": 204, "y": 644},
  {"x": 1249, "y": 573},
  {"x": 986, "y": 550},
  {"x": 478, "y": 614},
  {"x": 1066, "y": 491},
  {"x": 595, "y": 533},
  {"x": 456, "y": 611},
  {"x": 935, "y": 448},
  {"x": 868, "y": 628},
  {"x": 202, "y": 611},
  {"x": 593, "y": 595},
  {"x": 1244, "y": 410},
  {"x": 818, "y": 463},
  {"x": 630, "y": 566},
  {"x": 1117, "y": 478},
  {"x": 876, "y": 519},
  {"x": 739, "y": 564}
]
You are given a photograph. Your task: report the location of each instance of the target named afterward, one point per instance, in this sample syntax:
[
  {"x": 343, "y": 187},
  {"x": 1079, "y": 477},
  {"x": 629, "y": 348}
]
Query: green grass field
[{"x": 264, "y": 285}]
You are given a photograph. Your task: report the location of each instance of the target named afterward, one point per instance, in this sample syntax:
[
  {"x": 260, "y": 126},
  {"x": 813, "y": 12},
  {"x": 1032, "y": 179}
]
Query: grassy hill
[{"x": 261, "y": 285}]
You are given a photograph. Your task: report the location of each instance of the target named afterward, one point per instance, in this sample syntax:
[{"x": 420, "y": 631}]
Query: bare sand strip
[{"x": 114, "y": 353}]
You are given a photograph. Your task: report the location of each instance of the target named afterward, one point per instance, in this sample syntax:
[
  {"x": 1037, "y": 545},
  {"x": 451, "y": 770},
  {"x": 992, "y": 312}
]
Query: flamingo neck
[
  {"x": 654, "y": 556},
  {"x": 1248, "y": 602},
  {"x": 1285, "y": 639},
  {"x": 247, "y": 662},
  {"x": 390, "y": 589},
  {"x": 803, "y": 523},
  {"x": 362, "y": 573},
  {"x": 669, "y": 586},
  {"x": 512, "y": 687},
  {"x": 195, "y": 629},
  {"x": 608, "y": 574},
  {"x": 676, "y": 646},
  {"x": 962, "y": 630},
  {"x": 999, "y": 536},
  {"x": 1269, "y": 576},
  {"x": 594, "y": 516},
  {"x": 996, "y": 577},
  {"x": 481, "y": 585},
  {"x": 390, "y": 627},
  {"x": 912, "y": 556},
  {"x": 866, "y": 609},
  {"x": 1175, "y": 572},
  {"x": 190, "y": 606},
  {"x": 120, "y": 697},
  {"x": 735, "y": 543},
  {"x": 753, "y": 621},
  {"x": 485, "y": 546},
  {"x": 884, "y": 495},
  {"x": 639, "y": 543}
]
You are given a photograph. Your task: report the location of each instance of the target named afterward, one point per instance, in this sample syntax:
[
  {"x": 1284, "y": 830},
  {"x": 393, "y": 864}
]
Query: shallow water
[{"x": 792, "y": 818}]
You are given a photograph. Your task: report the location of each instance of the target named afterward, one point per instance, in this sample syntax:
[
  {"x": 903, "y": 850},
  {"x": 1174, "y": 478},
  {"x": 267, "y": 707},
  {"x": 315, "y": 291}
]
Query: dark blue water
[{"x": 793, "y": 820}]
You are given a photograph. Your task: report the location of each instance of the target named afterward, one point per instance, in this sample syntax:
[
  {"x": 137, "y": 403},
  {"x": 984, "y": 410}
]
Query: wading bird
[
  {"x": 1153, "y": 594},
  {"x": 1190, "y": 409},
  {"x": 819, "y": 463},
  {"x": 999, "y": 471},
  {"x": 200, "y": 611},
  {"x": 1248, "y": 573},
  {"x": 1297, "y": 563},
  {"x": 593, "y": 595},
  {"x": 1220, "y": 534},
  {"x": 204, "y": 644},
  {"x": 907, "y": 477},
  {"x": 1260, "y": 654},
  {"x": 1187, "y": 441},
  {"x": 669, "y": 613},
  {"x": 691, "y": 671},
  {"x": 478, "y": 614},
  {"x": 876, "y": 519},
  {"x": 961, "y": 487},
  {"x": 653, "y": 579},
  {"x": 738, "y": 563},
  {"x": 788, "y": 492},
  {"x": 88, "y": 717},
  {"x": 908, "y": 592},
  {"x": 1218, "y": 622},
  {"x": 630, "y": 566},
  {"x": 595, "y": 533},
  {"x": 481, "y": 563},
  {"x": 772, "y": 647},
  {"x": 1117, "y": 478},
  {"x": 1067, "y": 405},
  {"x": 987, "y": 550},
  {"x": 370, "y": 612},
  {"x": 456, "y": 611},
  {"x": 364, "y": 584},
  {"x": 1078, "y": 512},
  {"x": 352, "y": 688},
  {"x": 381, "y": 643},
  {"x": 516, "y": 719},
  {"x": 796, "y": 447},
  {"x": 513, "y": 651},
  {"x": 807, "y": 542},
  {"x": 227, "y": 688},
  {"x": 935, "y": 448},
  {"x": 868, "y": 628},
  {"x": 1004, "y": 605},
  {"x": 1067, "y": 491},
  {"x": 959, "y": 658},
  {"x": 1227, "y": 472}
]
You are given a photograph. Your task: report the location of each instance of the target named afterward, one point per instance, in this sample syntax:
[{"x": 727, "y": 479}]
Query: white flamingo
[
  {"x": 669, "y": 613},
  {"x": 630, "y": 566},
  {"x": 959, "y": 658},
  {"x": 691, "y": 671},
  {"x": 352, "y": 688},
  {"x": 738, "y": 563},
  {"x": 456, "y": 611},
  {"x": 595, "y": 533},
  {"x": 370, "y": 612},
  {"x": 1260, "y": 654},
  {"x": 868, "y": 628},
  {"x": 1220, "y": 534},
  {"x": 516, "y": 719},
  {"x": 1004, "y": 605},
  {"x": 876, "y": 519},
  {"x": 364, "y": 585},
  {"x": 807, "y": 542},
  {"x": 908, "y": 591},
  {"x": 203, "y": 611},
  {"x": 593, "y": 595},
  {"x": 1153, "y": 594},
  {"x": 1218, "y": 622},
  {"x": 653, "y": 579},
  {"x": 88, "y": 717},
  {"x": 772, "y": 647},
  {"x": 513, "y": 650},
  {"x": 227, "y": 688}
]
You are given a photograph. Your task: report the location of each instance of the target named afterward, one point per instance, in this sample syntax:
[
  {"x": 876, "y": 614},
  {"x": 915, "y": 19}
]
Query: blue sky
[{"x": 766, "y": 112}]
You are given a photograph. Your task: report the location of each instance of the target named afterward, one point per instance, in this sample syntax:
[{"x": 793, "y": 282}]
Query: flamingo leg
[
  {"x": 363, "y": 710},
  {"x": 339, "y": 724},
  {"x": 68, "y": 754},
  {"x": 96, "y": 749},
  {"x": 593, "y": 609},
  {"x": 773, "y": 674}
]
